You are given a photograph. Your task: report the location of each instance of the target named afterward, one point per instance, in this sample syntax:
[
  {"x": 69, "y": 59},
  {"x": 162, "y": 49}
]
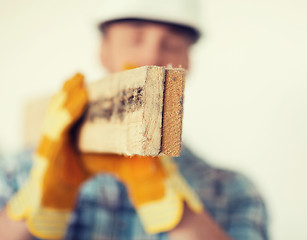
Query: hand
[
  {"x": 48, "y": 197},
  {"x": 155, "y": 187}
]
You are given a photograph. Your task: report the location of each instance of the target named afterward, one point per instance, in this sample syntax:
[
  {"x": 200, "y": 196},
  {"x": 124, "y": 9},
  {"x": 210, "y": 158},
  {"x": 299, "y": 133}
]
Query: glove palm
[{"x": 48, "y": 197}]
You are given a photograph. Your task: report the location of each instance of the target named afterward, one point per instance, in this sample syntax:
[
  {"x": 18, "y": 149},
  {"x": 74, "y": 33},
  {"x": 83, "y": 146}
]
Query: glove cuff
[
  {"x": 49, "y": 223},
  {"x": 165, "y": 214}
]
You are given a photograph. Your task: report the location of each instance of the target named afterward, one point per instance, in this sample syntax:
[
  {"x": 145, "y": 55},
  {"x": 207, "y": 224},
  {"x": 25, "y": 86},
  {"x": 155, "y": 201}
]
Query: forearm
[
  {"x": 13, "y": 230},
  {"x": 197, "y": 227}
]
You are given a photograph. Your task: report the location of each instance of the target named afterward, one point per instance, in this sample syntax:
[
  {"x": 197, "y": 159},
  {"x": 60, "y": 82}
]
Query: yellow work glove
[
  {"x": 155, "y": 187},
  {"x": 47, "y": 198}
]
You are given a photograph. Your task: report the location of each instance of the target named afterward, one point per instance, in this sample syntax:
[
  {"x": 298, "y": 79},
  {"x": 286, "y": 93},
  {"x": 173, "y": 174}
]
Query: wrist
[
  {"x": 197, "y": 226},
  {"x": 186, "y": 224}
]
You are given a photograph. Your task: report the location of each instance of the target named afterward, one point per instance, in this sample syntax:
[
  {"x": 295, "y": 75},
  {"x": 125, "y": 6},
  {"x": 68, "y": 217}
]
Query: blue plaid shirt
[{"x": 103, "y": 210}]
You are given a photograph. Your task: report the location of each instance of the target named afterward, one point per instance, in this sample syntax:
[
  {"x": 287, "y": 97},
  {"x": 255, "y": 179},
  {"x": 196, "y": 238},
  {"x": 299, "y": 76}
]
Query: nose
[{"x": 151, "y": 52}]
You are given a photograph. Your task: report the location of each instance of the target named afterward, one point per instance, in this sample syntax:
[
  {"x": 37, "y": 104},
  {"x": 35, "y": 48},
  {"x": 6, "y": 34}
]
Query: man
[{"x": 135, "y": 33}]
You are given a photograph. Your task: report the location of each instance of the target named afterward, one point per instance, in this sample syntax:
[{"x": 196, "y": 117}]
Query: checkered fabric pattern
[{"x": 104, "y": 212}]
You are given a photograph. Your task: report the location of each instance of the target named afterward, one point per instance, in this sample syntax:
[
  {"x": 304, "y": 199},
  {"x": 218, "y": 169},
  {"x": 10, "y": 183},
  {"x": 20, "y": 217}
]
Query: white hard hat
[{"x": 179, "y": 12}]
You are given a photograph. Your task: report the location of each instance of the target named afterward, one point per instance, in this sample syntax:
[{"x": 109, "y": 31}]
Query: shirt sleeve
[
  {"x": 14, "y": 170},
  {"x": 248, "y": 217}
]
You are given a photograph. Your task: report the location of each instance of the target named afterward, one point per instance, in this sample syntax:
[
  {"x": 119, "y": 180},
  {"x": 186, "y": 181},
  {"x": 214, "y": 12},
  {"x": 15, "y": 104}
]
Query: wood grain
[
  {"x": 173, "y": 111},
  {"x": 125, "y": 113},
  {"x": 138, "y": 111}
]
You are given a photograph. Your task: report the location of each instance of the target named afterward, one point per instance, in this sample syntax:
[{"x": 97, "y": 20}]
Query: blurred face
[{"x": 137, "y": 43}]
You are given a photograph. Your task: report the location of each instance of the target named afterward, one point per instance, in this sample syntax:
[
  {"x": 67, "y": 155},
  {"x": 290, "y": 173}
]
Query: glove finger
[
  {"x": 77, "y": 81},
  {"x": 76, "y": 104},
  {"x": 102, "y": 163},
  {"x": 129, "y": 66}
]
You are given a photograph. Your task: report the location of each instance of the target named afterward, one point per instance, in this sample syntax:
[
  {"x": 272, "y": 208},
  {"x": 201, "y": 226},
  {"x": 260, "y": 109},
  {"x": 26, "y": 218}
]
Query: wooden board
[
  {"x": 173, "y": 111},
  {"x": 137, "y": 111}
]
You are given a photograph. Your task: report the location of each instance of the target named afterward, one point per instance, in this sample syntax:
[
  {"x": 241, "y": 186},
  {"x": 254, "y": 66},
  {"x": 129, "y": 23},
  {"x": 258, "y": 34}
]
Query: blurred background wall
[{"x": 245, "y": 102}]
